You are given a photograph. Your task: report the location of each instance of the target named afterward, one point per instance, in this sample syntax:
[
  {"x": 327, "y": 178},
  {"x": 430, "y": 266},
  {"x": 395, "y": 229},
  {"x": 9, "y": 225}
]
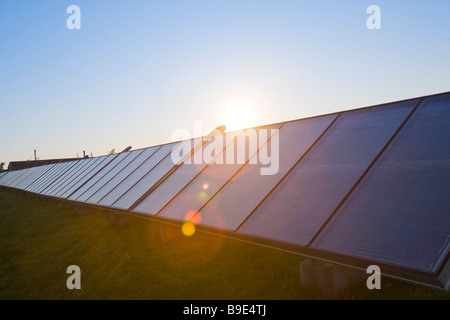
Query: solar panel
[
  {"x": 106, "y": 178},
  {"x": 19, "y": 177},
  {"x": 2, "y": 175},
  {"x": 168, "y": 189},
  {"x": 42, "y": 177},
  {"x": 213, "y": 177},
  {"x": 93, "y": 180},
  {"x": 302, "y": 202},
  {"x": 38, "y": 173},
  {"x": 361, "y": 186},
  {"x": 85, "y": 175},
  {"x": 27, "y": 174},
  {"x": 14, "y": 176},
  {"x": 8, "y": 177},
  {"x": 73, "y": 176},
  {"x": 36, "y": 176},
  {"x": 400, "y": 212},
  {"x": 32, "y": 172},
  {"x": 151, "y": 178},
  {"x": 122, "y": 173},
  {"x": 50, "y": 177},
  {"x": 231, "y": 206},
  {"x": 136, "y": 175},
  {"x": 65, "y": 176}
]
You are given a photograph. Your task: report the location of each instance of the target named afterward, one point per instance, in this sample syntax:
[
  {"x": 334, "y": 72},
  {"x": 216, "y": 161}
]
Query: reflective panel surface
[
  {"x": 210, "y": 180},
  {"x": 121, "y": 174},
  {"x": 87, "y": 174},
  {"x": 93, "y": 180},
  {"x": 127, "y": 183},
  {"x": 228, "y": 209},
  {"x": 72, "y": 175},
  {"x": 174, "y": 183},
  {"x": 303, "y": 201},
  {"x": 65, "y": 176},
  {"x": 400, "y": 213}
]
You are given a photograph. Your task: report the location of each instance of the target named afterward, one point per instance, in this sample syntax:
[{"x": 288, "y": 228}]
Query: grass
[{"x": 38, "y": 241}]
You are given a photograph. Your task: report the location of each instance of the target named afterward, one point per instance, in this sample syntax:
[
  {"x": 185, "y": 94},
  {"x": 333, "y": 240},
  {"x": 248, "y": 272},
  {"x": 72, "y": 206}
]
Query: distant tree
[
  {"x": 112, "y": 151},
  {"x": 2, "y": 166}
]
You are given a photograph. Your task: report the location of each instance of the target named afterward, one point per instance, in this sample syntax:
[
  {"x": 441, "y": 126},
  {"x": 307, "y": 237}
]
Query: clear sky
[{"x": 138, "y": 70}]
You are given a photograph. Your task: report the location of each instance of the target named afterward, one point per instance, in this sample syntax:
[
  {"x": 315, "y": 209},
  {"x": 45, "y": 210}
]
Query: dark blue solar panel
[
  {"x": 303, "y": 201},
  {"x": 228, "y": 209},
  {"x": 400, "y": 213}
]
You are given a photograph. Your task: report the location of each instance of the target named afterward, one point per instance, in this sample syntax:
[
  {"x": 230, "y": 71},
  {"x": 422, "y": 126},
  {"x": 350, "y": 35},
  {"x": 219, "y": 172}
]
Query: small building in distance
[{"x": 19, "y": 165}]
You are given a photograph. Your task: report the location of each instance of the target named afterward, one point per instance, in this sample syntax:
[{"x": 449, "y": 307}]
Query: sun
[{"x": 239, "y": 114}]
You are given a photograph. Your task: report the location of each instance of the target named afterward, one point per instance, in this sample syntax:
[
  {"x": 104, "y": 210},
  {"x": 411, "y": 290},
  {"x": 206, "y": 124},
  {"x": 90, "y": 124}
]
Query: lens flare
[
  {"x": 188, "y": 229},
  {"x": 205, "y": 186},
  {"x": 193, "y": 216},
  {"x": 202, "y": 195}
]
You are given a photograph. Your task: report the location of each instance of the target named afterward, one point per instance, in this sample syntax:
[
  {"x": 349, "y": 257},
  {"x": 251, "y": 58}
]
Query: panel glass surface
[
  {"x": 38, "y": 172},
  {"x": 29, "y": 173},
  {"x": 44, "y": 174},
  {"x": 302, "y": 202},
  {"x": 155, "y": 174},
  {"x": 56, "y": 179},
  {"x": 228, "y": 209},
  {"x": 400, "y": 213},
  {"x": 88, "y": 173},
  {"x": 92, "y": 164},
  {"x": 51, "y": 177},
  {"x": 14, "y": 176},
  {"x": 31, "y": 177},
  {"x": 154, "y": 202},
  {"x": 41, "y": 173},
  {"x": 44, "y": 177},
  {"x": 75, "y": 174},
  {"x": 99, "y": 175},
  {"x": 8, "y": 178},
  {"x": 121, "y": 173},
  {"x": 2, "y": 175},
  {"x": 62, "y": 180},
  {"x": 215, "y": 175},
  {"x": 136, "y": 175}
]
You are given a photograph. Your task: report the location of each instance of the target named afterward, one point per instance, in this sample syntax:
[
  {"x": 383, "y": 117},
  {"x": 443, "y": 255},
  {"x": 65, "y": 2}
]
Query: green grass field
[{"x": 38, "y": 241}]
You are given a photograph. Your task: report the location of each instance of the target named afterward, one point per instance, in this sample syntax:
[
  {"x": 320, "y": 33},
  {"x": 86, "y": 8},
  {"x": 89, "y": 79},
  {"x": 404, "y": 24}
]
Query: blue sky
[{"x": 138, "y": 70}]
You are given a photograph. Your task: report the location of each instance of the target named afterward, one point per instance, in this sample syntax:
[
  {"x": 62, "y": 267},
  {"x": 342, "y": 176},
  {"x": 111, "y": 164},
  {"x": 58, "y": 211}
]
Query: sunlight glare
[{"x": 239, "y": 114}]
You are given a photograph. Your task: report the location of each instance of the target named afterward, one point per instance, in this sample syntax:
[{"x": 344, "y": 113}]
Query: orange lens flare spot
[
  {"x": 193, "y": 216},
  {"x": 188, "y": 229}
]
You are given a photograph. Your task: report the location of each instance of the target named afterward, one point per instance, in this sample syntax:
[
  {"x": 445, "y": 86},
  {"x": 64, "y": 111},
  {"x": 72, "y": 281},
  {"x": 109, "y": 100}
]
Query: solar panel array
[{"x": 369, "y": 186}]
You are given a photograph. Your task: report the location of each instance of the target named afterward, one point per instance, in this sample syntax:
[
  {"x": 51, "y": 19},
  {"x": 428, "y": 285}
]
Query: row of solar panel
[{"x": 371, "y": 183}]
